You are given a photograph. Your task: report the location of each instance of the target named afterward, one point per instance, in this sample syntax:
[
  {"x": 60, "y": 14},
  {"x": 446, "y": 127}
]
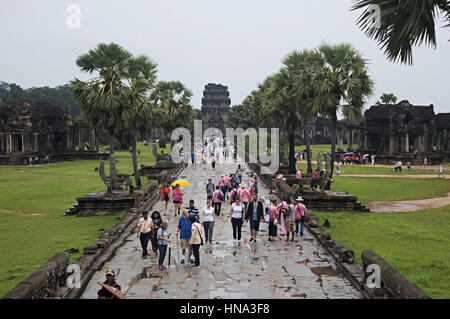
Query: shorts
[
  {"x": 254, "y": 224},
  {"x": 184, "y": 243},
  {"x": 289, "y": 226},
  {"x": 176, "y": 201}
]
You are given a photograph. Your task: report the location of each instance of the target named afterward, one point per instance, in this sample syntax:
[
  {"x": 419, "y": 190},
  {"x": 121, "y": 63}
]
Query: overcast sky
[{"x": 236, "y": 42}]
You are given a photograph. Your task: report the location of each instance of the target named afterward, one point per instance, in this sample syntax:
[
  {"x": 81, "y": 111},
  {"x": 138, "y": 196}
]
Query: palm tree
[
  {"x": 387, "y": 98},
  {"x": 141, "y": 73},
  {"x": 175, "y": 98},
  {"x": 281, "y": 109},
  {"x": 341, "y": 83},
  {"x": 403, "y": 24},
  {"x": 101, "y": 97},
  {"x": 300, "y": 65}
]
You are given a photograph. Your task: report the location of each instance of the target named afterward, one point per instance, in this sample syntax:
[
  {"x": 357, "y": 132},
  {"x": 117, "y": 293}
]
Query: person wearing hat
[
  {"x": 145, "y": 227},
  {"x": 300, "y": 210},
  {"x": 110, "y": 281}
]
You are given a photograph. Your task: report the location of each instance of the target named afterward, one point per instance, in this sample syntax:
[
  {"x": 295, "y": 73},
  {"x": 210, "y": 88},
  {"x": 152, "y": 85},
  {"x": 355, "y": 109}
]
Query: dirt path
[{"x": 409, "y": 205}]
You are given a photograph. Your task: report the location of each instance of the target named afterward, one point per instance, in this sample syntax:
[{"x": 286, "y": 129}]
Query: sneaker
[
  {"x": 251, "y": 239},
  {"x": 195, "y": 267},
  {"x": 182, "y": 261},
  {"x": 162, "y": 267},
  {"x": 254, "y": 241},
  {"x": 144, "y": 257},
  {"x": 192, "y": 261}
]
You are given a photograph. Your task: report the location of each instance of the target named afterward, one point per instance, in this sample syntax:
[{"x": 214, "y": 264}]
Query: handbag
[{"x": 200, "y": 234}]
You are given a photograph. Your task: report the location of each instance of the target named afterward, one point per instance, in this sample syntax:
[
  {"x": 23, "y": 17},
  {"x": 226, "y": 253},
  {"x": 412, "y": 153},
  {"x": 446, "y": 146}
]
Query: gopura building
[
  {"x": 41, "y": 129},
  {"x": 396, "y": 131},
  {"x": 215, "y": 106}
]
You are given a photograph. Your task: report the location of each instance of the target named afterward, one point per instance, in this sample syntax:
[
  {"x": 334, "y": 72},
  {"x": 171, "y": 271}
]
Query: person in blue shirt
[{"x": 184, "y": 229}]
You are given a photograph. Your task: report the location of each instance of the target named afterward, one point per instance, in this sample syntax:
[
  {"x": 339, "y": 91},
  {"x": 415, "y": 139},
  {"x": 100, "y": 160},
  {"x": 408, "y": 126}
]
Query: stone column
[
  {"x": 340, "y": 139},
  {"x": 407, "y": 143},
  {"x": 350, "y": 139},
  {"x": 36, "y": 142},
  {"x": 391, "y": 144},
  {"x": 10, "y": 143}
]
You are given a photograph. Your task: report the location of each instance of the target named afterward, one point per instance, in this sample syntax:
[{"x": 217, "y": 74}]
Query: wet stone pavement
[{"x": 262, "y": 270}]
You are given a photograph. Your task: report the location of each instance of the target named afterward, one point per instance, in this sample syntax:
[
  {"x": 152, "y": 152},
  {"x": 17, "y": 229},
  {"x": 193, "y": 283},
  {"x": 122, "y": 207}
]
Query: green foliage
[
  {"x": 415, "y": 243},
  {"x": 403, "y": 24},
  {"x": 32, "y": 200},
  {"x": 387, "y": 98},
  {"x": 60, "y": 95}
]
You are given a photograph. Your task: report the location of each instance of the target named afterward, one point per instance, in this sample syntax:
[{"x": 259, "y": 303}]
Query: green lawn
[
  {"x": 392, "y": 189},
  {"x": 32, "y": 200},
  {"x": 415, "y": 243},
  {"x": 370, "y": 170}
]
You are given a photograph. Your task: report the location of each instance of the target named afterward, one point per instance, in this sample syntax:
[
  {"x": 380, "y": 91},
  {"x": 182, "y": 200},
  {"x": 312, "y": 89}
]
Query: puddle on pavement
[{"x": 325, "y": 270}]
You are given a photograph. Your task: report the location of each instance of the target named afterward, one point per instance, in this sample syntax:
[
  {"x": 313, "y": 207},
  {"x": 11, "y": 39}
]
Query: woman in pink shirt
[
  {"x": 218, "y": 198},
  {"x": 298, "y": 175},
  {"x": 177, "y": 199},
  {"x": 273, "y": 217},
  {"x": 244, "y": 194}
]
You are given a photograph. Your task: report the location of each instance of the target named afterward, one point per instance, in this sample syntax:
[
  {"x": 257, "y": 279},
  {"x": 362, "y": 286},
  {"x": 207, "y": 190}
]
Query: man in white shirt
[{"x": 145, "y": 227}]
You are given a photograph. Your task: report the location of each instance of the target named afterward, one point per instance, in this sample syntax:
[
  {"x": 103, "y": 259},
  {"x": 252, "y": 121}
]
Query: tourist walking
[
  {"x": 163, "y": 240},
  {"x": 209, "y": 189},
  {"x": 273, "y": 220},
  {"x": 239, "y": 172},
  {"x": 157, "y": 221},
  {"x": 282, "y": 206},
  {"x": 234, "y": 181},
  {"x": 165, "y": 196},
  {"x": 425, "y": 161},
  {"x": 207, "y": 219},
  {"x": 144, "y": 231},
  {"x": 300, "y": 211},
  {"x": 184, "y": 231},
  {"x": 223, "y": 181},
  {"x": 372, "y": 157},
  {"x": 191, "y": 209},
  {"x": 255, "y": 214},
  {"x": 298, "y": 174},
  {"x": 441, "y": 171},
  {"x": 177, "y": 199},
  {"x": 213, "y": 162},
  {"x": 289, "y": 219},
  {"x": 233, "y": 195},
  {"x": 244, "y": 194},
  {"x": 218, "y": 198},
  {"x": 237, "y": 219},
  {"x": 193, "y": 158},
  {"x": 338, "y": 169},
  {"x": 196, "y": 240}
]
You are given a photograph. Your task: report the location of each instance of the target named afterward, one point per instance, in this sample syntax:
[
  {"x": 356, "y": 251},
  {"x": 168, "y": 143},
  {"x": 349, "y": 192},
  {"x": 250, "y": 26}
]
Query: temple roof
[{"x": 443, "y": 120}]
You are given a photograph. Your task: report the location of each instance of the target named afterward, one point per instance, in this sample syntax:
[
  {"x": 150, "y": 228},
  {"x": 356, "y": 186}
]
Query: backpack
[
  {"x": 298, "y": 215},
  {"x": 220, "y": 196},
  {"x": 234, "y": 195}
]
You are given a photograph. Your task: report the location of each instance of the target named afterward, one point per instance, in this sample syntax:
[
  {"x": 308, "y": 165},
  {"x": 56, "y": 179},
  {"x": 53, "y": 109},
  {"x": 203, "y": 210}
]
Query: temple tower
[{"x": 215, "y": 106}]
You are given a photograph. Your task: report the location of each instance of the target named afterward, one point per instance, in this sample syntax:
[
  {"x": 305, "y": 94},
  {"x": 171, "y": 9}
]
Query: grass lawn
[
  {"x": 372, "y": 189},
  {"x": 369, "y": 170},
  {"x": 415, "y": 243},
  {"x": 32, "y": 200}
]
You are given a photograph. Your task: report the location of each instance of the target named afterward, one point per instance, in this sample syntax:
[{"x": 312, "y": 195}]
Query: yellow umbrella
[{"x": 181, "y": 182}]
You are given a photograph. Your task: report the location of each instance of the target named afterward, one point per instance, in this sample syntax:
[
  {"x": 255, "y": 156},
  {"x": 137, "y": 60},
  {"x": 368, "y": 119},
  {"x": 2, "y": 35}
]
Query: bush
[{"x": 162, "y": 142}]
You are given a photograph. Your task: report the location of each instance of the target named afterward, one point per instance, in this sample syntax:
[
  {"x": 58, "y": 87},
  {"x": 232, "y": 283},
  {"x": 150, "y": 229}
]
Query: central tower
[{"x": 215, "y": 106}]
